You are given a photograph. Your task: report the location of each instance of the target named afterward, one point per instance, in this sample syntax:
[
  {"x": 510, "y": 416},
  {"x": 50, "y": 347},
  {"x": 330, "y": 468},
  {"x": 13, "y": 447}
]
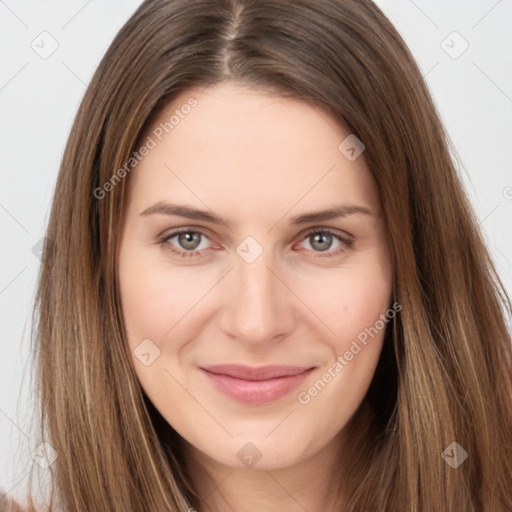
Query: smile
[{"x": 256, "y": 385}]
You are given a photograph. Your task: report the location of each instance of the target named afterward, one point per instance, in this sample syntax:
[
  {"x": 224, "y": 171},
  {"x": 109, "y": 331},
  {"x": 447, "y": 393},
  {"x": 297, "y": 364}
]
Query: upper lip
[{"x": 256, "y": 373}]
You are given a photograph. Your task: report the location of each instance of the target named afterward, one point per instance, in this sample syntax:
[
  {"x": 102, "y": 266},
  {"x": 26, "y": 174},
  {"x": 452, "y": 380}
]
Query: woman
[{"x": 263, "y": 287}]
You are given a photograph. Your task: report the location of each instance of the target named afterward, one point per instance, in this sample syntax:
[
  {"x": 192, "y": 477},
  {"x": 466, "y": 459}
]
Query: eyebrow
[{"x": 208, "y": 216}]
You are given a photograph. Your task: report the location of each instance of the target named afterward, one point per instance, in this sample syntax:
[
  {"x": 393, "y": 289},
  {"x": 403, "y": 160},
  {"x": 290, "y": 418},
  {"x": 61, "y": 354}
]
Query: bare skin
[{"x": 256, "y": 161}]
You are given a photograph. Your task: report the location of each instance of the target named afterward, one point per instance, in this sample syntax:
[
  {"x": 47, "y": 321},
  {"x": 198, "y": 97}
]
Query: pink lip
[{"x": 256, "y": 385}]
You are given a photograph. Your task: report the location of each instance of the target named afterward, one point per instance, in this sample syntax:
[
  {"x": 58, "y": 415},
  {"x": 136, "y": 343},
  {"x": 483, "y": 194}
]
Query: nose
[{"x": 259, "y": 307}]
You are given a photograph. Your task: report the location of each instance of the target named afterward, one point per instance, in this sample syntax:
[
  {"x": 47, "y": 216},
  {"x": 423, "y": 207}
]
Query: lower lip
[{"x": 256, "y": 391}]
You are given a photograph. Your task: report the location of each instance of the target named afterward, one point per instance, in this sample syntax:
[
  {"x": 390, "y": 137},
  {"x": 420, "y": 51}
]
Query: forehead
[{"x": 227, "y": 146}]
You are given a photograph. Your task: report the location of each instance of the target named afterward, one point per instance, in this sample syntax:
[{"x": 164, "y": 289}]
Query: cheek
[
  {"x": 154, "y": 297},
  {"x": 354, "y": 305},
  {"x": 157, "y": 297},
  {"x": 349, "y": 301}
]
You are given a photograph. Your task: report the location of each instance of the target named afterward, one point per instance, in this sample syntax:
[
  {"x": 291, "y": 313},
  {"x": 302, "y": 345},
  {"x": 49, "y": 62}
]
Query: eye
[
  {"x": 321, "y": 241},
  {"x": 189, "y": 242}
]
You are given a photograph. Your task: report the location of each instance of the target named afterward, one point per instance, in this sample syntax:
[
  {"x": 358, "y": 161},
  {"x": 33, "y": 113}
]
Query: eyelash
[{"x": 346, "y": 242}]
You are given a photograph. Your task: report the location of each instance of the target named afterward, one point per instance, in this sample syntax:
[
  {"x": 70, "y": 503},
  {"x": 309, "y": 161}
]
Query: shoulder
[{"x": 9, "y": 504}]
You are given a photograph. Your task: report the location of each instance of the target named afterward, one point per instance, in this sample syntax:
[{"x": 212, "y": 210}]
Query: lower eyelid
[
  {"x": 166, "y": 241},
  {"x": 344, "y": 241}
]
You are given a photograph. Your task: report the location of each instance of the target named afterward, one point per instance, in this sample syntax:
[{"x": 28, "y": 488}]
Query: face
[{"x": 226, "y": 259}]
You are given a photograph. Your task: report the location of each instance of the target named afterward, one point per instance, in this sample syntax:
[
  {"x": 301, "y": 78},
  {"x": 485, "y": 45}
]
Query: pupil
[
  {"x": 187, "y": 240},
  {"x": 322, "y": 237}
]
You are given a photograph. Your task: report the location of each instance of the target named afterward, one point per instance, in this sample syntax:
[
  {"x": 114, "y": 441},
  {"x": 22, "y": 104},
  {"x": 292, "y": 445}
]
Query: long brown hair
[{"x": 445, "y": 373}]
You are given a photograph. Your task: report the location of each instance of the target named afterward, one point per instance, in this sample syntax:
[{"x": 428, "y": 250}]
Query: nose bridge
[
  {"x": 251, "y": 266},
  {"x": 256, "y": 283},
  {"x": 258, "y": 306}
]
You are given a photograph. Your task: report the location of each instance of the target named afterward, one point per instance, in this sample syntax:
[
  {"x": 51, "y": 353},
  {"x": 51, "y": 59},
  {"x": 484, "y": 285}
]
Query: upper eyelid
[{"x": 303, "y": 234}]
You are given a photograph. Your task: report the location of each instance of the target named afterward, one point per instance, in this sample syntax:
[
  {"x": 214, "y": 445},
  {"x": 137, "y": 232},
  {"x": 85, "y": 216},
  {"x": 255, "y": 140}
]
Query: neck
[{"x": 311, "y": 484}]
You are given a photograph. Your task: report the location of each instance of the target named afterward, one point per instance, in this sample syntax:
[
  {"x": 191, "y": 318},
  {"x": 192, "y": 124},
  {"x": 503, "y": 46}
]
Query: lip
[{"x": 256, "y": 385}]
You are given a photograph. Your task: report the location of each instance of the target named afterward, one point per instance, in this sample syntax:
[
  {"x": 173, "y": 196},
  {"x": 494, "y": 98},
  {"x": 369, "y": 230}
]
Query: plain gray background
[{"x": 39, "y": 95}]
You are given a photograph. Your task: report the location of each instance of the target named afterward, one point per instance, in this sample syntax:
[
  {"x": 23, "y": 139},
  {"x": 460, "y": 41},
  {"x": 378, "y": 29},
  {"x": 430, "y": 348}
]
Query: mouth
[{"x": 256, "y": 385}]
